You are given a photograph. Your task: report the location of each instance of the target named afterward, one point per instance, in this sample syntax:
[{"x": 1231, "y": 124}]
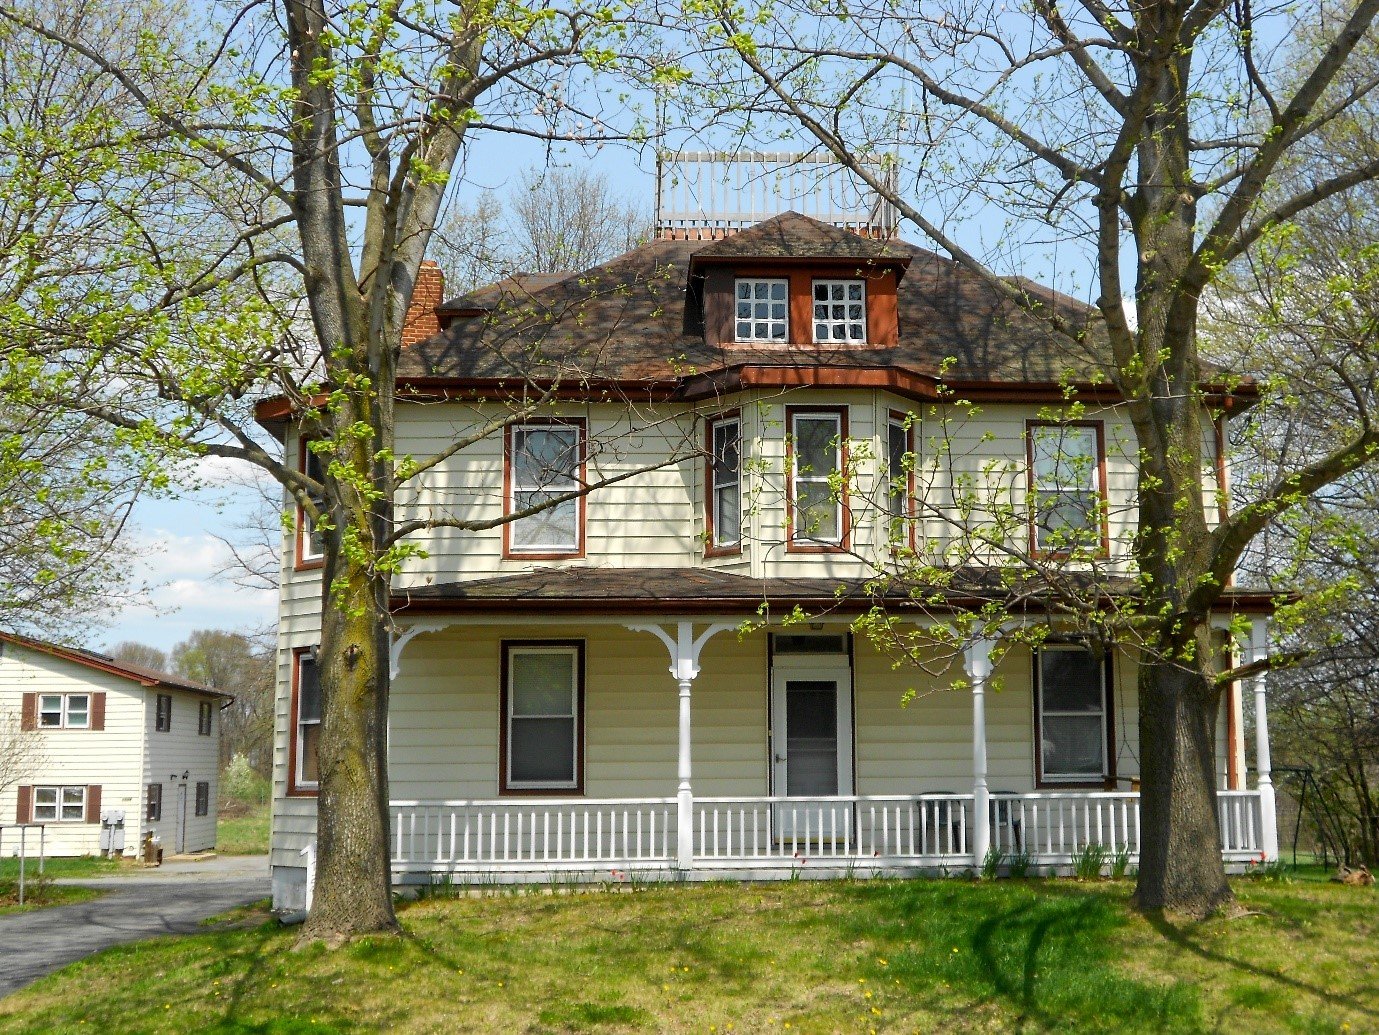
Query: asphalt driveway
[{"x": 173, "y": 899}]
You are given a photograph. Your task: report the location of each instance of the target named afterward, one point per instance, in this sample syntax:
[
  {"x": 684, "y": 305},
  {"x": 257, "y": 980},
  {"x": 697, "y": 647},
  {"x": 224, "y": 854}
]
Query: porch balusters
[{"x": 978, "y": 657}]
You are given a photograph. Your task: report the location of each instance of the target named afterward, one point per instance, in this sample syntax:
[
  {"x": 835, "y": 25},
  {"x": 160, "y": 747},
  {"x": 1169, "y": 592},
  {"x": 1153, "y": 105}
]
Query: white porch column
[
  {"x": 684, "y": 650},
  {"x": 978, "y": 657},
  {"x": 1268, "y": 813}
]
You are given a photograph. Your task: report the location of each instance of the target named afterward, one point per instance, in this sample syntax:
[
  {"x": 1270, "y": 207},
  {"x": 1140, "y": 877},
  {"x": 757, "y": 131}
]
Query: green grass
[
  {"x": 882, "y": 956},
  {"x": 81, "y": 866},
  {"x": 41, "y": 896},
  {"x": 243, "y": 835}
]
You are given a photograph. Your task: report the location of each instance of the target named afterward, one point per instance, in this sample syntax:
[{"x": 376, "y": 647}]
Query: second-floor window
[
  {"x": 818, "y": 517},
  {"x": 311, "y": 544},
  {"x": 545, "y": 462},
  {"x": 725, "y": 483},
  {"x": 900, "y": 487},
  {"x": 1067, "y": 487},
  {"x": 162, "y": 715},
  {"x": 840, "y": 311},
  {"x": 64, "y": 711},
  {"x": 203, "y": 718},
  {"x": 762, "y": 310}
]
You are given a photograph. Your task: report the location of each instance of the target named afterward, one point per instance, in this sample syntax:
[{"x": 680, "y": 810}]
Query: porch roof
[{"x": 592, "y": 590}]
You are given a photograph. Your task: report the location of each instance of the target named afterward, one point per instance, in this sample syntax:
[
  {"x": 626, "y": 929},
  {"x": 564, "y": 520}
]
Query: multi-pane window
[
  {"x": 162, "y": 716},
  {"x": 725, "y": 483},
  {"x": 308, "y": 733},
  {"x": 900, "y": 473},
  {"x": 1071, "y": 687},
  {"x": 64, "y": 711},
  {"x": 311, "y": 544},
  {"x": 542, "y": 717},
  {"x": 203, "y": 718},
  {"x": 763, "y": 310},
  {"x": 840, "y": 311},
  {"x": 816, "y": 466},
  {"x": 153, "y": 803},
  {"x": 59, "y": 805},
  {"x": 203, "y": 798},
  {"x": 545, "y": 463},
  {"x": 1066, "y": 486}
]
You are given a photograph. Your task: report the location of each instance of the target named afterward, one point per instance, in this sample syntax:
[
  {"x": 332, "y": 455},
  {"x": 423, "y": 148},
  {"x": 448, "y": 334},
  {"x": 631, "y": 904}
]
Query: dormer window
[
  {"x": 763, "y": 308},
  {"x": 840, "y": 311}
]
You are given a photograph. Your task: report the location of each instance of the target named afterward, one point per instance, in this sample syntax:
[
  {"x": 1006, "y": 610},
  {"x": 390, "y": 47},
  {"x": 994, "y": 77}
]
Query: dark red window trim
[
  {"x": 711, "y": 423},
  {"x": 293, "y": 790},
  {"x": 911, "y": 509},
  {"x": 577, "y": 790},
  {"x": 300, "y": 560},
  {"x": 844, "y": 544},
  {"x": 581, "y": 476}
]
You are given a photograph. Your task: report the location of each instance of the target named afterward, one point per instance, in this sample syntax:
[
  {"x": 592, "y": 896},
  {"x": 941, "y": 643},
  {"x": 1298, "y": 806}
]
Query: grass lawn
[
  {"x": 82, "y": 866},
  {"x": 40, "y": 897},
  {"x": 243, "y": 835},
  {"x": 882, "y": 956}
]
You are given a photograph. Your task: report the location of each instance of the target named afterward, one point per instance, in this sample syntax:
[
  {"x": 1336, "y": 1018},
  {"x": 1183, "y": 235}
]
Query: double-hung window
[
  {"x": 307, "y": 735},
  {"x": 204, "y": 714},
  {"x": 64, "y": 711},
  {"x": 763, "y": 310},
  {"x": 725, "y": 483},
  {"x": 162, "y": 715},
  {"x": 1071, "y": 694},
  {"x": 203, "y": 798},
  {"x": 546, "y": 461},
  {"x": 59, "y": 805},
  {"x": 311, "y": 544},
  {"x": 840, "y": 311},
  {"x": 900, "y": 487},
  {"x": 542, "y": 716},
  {"x": 1066, "y": 487},
  {"x": 818, "y": 516}
]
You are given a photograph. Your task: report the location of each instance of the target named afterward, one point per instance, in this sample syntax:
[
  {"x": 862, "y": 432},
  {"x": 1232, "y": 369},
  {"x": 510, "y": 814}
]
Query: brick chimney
[{"x": 428, "y": 293}]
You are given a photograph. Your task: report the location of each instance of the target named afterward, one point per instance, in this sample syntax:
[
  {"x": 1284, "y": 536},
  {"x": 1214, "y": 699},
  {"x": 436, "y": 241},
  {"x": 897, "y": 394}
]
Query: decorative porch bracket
[
  {"x": 977, "y": 658},
  {"x": 684, "y": 649},
  {"x": 405, "y": 635}
]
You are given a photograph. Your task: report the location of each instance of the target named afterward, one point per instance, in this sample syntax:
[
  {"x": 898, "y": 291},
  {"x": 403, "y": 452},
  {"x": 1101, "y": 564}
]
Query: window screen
[{"x": 542, "y": 720}]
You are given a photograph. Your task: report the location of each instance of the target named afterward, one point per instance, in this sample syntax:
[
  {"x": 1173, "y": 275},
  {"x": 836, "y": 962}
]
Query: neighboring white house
[
  {"x": 116, "y": 738},
  {"x": 794, "y": 403}
]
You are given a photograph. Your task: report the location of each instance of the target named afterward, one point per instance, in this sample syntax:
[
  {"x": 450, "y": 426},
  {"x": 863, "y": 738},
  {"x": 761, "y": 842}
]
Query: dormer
[{"x": 792, "y": 282}]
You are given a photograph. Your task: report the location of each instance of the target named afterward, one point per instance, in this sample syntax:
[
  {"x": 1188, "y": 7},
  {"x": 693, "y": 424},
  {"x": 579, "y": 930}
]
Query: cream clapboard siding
[
  {"x": 174, "y": 752},
  {"x": 112, "y": 758}
]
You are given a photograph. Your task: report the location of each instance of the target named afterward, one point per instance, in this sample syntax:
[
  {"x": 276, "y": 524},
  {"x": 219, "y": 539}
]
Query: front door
[{"x": 811, "y": 744}]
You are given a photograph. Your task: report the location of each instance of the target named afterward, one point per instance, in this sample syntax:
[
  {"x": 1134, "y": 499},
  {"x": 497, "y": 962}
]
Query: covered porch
[{"x": 695, "y": 766}]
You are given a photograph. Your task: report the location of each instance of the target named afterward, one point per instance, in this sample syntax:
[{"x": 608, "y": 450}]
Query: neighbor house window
[
  {"x": 64, "y": 711},
  {"x": 545, "y": 462},
  {"x": 307, "y": 738},
  {"x": 818, "y": 517},
  {"x": 840, "y": 311},
  {"x": 725, "y": 483},
  {"x": 59, "y": 805},
  {"x": 203, "y": 798},
  {"x": 1067, "y": 487},
  {"x": 542, "y": 716},
  {"x": 162, "y": 716},
  {"x": 1073, "y": 715},
  {"x": 900, "y": 486},
  {"x": 763, "y": 310},
  {"x": 311, "y": 543},
  {"x": 203, "y": 718},
  {"x": 153, "y": 807}
]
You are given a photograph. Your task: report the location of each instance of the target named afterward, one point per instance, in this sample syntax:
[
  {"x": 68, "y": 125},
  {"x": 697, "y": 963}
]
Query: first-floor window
[
  {"x": 203, "y": 798},
  {"x": 542, "y": 703},
  {"x": 308, "y": 733},
  {"x": 545, "y": 462},
  {"x": 816, "y": 467},
  {"x": 59, "y": 804},
  {"x": 1072, "y": 689},
  {"x": 153, "y": 808},
  {"x": 725, "y": 483}
]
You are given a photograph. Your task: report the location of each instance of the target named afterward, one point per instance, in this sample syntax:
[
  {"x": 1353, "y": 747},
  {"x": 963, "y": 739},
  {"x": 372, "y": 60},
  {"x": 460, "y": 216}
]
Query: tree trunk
[
  {"x": 353, "y": 877},
  {"x": 1180, "y": 854}
]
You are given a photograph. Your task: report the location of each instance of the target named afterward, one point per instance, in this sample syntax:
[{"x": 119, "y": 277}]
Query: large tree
[
  {"x": 297, "y": 154},
  {"x": 1141, "y": 148}
]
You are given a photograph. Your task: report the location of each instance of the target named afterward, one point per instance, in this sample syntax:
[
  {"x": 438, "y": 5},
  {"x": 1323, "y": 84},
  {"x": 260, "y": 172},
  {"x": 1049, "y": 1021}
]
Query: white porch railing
[{"x": 882, "y": 831}]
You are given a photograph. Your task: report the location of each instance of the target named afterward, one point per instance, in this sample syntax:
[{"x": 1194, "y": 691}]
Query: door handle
[{"x": 779, "y": 758}]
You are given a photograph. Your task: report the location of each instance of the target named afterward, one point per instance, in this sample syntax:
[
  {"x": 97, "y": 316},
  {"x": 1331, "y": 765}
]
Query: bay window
[
  {"x": 900, "y": 487},
  {"x": 817, "y": 488}
]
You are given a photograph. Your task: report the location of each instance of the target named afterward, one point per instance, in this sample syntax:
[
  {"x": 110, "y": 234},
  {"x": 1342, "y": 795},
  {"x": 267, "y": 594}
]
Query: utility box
[{"x": 112, "y": 832}]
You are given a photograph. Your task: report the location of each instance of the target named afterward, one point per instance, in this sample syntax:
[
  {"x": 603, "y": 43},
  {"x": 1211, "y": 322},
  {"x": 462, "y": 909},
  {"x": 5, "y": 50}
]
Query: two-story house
[
  {"x": 664, "y": 674},
  {"x": 114, "y": 739}
]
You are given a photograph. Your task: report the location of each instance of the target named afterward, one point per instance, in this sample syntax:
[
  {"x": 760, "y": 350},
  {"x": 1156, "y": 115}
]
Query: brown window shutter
[
  {"x": 28, "y": 713},
  {"x": 24, "y": 811},
  {"x": 98, "y": 711},
  {"x": 93, "y": 803}
]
